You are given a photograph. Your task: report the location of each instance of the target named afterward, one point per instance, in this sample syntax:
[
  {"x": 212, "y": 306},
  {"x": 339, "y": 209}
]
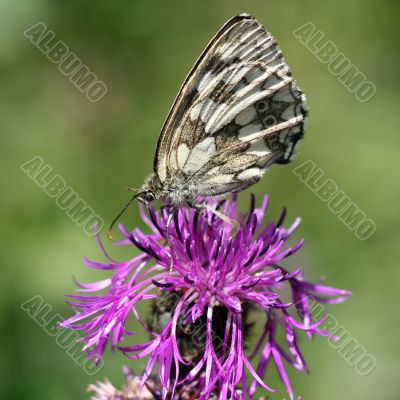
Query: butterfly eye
[
  {"x": 148, "y": 197},
  {"x": 269, "y": 120}
]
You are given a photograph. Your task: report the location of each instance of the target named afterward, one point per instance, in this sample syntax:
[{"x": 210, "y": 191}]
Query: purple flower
[{"x": 213, "y": 271}]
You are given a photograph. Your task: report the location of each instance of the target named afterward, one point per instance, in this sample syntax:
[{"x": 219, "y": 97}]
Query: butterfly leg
[
  {"x": 218, "y": 214},
  {"x": 169, "y": 219}
]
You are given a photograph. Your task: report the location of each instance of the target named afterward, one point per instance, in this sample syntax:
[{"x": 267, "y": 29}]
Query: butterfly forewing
[{"x": 238, "y": 112}]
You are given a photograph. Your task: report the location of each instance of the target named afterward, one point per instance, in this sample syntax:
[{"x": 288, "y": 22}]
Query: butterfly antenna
[{"x": 119, "y": 215}]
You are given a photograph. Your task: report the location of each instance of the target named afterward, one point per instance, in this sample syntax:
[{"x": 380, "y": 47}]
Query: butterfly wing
[{"x": 238, "y": 112}]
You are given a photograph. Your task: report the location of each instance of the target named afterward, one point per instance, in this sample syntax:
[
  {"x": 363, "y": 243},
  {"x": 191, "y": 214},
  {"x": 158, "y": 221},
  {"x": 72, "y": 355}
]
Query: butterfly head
[{"x": 151, "y": 190}]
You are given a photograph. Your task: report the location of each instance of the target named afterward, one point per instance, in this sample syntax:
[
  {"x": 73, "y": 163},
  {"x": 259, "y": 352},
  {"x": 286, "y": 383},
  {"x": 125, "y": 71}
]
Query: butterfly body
[{"x": 182, "y": 191}]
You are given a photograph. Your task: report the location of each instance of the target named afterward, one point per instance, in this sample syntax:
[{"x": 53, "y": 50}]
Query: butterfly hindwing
[{"x": 238, "y": 112}]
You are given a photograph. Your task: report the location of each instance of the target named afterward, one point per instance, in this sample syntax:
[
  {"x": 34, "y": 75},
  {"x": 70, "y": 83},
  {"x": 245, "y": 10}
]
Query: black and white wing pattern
[{"x": 238, "y": 112}]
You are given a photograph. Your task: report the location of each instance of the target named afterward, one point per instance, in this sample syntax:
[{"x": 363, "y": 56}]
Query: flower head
[{"x": 204, "y": 271}]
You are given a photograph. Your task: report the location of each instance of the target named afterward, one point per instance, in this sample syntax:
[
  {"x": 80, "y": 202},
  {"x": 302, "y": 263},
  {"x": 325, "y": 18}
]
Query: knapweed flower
[{"x": 205, "y": 271}]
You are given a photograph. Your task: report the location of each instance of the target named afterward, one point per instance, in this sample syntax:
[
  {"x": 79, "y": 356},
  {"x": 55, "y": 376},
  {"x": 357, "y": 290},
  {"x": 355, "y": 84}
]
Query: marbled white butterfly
[{"x": 238, "y": 112}]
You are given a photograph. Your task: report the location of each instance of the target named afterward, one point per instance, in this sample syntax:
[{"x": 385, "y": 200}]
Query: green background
[{"x": 142, "y": 50}]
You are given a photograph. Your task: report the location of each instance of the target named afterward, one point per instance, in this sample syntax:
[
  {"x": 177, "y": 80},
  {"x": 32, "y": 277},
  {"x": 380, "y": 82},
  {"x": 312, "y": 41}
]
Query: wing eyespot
[
  {"x": 269, "y": 120},
  {"x": 261, "y": 106}
]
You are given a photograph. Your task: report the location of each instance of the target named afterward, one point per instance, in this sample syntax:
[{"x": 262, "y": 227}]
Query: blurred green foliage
[{"x": 142, "y": 50}]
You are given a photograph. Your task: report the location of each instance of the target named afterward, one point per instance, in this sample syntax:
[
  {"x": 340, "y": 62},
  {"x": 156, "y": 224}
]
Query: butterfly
[{"x": 238, "y": 112}]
